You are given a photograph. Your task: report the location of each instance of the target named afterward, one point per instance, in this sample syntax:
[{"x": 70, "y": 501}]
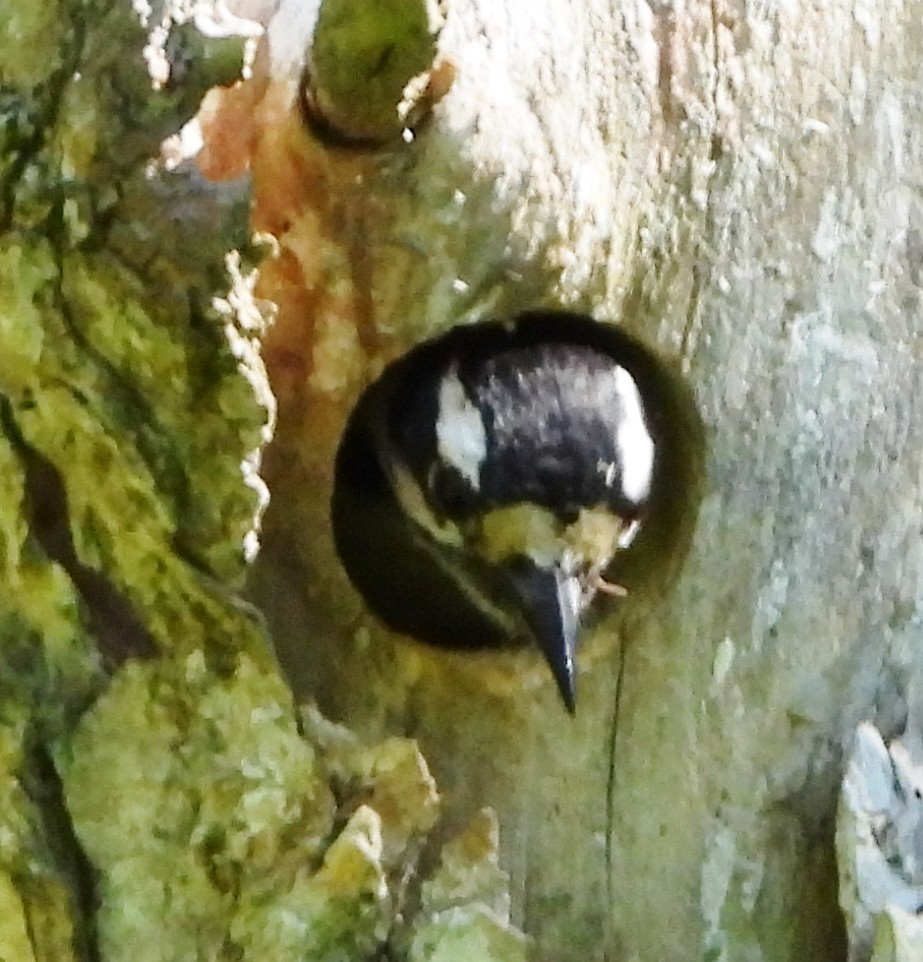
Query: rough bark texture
[
  {"x": 738, "y": 185},
  {"x": 161, "y": 798}
]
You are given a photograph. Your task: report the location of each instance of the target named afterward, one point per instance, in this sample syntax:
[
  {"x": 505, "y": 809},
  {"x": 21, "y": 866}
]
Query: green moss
[
  {"x": 122, "y": 499},
  {"x": 46, "y": 660},
  {"x": 38, "y": 915},
  {"x": 459, "y": 935},
  {"x": 29, "y": 33},
  {"x": 185, "y": 816},
  {"x": 14, "y": 935},
  {"x": 342, "y": 912},
  {"x": 214, "y": 831},
  {"x": 26, "y": 275},
  {"x": 192, "y": 796},
  {"x": 464, "y": 906},
  {"x": 364, "y": 55}
]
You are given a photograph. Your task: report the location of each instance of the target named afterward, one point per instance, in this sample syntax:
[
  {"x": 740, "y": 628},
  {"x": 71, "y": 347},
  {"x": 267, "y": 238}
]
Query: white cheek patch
[
  {"x": 632, "y": 439},
  {"x": 461, "y": 437}
]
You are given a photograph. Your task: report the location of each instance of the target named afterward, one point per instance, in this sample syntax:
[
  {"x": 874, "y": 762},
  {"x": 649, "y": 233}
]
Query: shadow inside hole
[{"x": 400, "y": 577}]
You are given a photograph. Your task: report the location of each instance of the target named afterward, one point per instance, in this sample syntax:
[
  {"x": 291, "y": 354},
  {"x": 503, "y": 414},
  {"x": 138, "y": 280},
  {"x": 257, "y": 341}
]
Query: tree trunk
[{"x": 737, "y": 186}]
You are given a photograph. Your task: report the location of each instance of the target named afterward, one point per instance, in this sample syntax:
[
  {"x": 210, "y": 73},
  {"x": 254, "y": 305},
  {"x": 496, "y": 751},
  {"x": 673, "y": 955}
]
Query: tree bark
[
  {"x": 161, "y": 796},
  {"x": 737, "y": 185}
]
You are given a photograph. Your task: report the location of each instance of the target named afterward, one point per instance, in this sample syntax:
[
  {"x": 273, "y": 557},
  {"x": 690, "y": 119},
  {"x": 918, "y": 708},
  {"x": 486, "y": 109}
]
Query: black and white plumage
[{"x": 487, "y": 479}]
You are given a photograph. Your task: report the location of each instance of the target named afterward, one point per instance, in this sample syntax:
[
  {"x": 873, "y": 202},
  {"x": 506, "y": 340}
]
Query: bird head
[{"x": 516, "y": 465}]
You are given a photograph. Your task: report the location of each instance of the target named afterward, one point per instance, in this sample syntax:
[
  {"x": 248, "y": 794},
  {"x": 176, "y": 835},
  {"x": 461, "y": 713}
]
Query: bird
[{"x": 486, "y": 480}]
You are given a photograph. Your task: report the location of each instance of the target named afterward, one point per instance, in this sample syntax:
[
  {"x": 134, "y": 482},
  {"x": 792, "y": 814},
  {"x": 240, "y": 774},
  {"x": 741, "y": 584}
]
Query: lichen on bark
[
  {"x": 160, "y": 796},
  {"x": 123, "y": 423}
]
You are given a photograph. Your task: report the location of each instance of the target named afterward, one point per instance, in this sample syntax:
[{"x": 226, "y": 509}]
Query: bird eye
[{"x": 490, "y": 468}]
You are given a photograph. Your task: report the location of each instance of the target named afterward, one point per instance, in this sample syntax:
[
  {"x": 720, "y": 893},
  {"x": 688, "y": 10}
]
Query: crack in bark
[
  {"x": 119, "y": 632},
  {"x": 611, "y": 776},
  {"x": 42, "y": 785},
  {"x": 42, "y": 110},
  {"x": 141, "y": 424}
]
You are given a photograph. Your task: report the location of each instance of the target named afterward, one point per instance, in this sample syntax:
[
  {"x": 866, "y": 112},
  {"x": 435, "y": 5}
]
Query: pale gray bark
[{"x": 739, "y": 185}]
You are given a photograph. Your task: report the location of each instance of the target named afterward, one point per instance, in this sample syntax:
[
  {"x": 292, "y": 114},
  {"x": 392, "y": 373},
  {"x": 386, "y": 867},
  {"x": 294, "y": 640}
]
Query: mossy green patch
[{"x": 192, "y": 795}]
